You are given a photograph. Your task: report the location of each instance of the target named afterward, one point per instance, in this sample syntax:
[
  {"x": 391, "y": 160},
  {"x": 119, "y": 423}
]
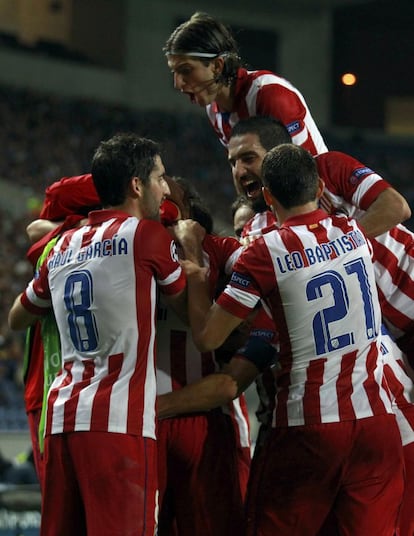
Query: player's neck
[
  {"x": 283, "y": 214},
  {"x": 224, "y": 99}
]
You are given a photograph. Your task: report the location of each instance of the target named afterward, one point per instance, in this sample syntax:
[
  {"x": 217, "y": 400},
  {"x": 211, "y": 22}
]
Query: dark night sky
[{"x": 376, "y": 42}]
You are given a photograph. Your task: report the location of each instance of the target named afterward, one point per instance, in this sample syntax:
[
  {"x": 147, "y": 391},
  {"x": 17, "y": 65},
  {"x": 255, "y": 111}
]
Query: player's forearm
[
  {"x": 208, "y": 393},
  {"x": 37, "y": 229},
  {"x": 388, "y": 210},
  {"x": 199, "y": 303},
  {"x": 19, "y": 318}
]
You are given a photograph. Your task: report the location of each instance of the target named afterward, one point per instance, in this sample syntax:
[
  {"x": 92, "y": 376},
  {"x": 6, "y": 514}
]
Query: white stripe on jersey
[
  {"x": 401, "y": 386},
  {"x": 300, "y": 312},
  {"x": 170, "y": 279},
  {"x": 150, "y": 377},
  {"x": 365, "y": 185},
  {"x": 44, "y": 304},
  {"x": 108, "y": 379}
]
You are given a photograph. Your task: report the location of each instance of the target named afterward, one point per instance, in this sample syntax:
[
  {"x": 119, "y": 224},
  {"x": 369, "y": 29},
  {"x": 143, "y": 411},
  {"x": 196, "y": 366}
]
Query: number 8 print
[{"x": 78, "y": 299}]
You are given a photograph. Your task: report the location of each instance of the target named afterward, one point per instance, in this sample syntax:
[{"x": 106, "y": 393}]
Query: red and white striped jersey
[
  {"x": 400, "y": 386},
  {"x": 257, "y": 225},
  {"x": 267, "y": 94},
  {"x": 179, "y": 362},
  {"x": 102, "y": 280},
  {"x": 316, "y": 275},
  {"x": 350, "y": 188}
]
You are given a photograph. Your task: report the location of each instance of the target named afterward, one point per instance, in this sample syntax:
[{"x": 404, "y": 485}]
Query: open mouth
[{"x": 252, "y": 188}]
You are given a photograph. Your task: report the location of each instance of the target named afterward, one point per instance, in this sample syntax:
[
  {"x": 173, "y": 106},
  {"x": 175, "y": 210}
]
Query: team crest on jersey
[
  {"x": 240, "y": 280},
  {"x": 173, "y": 251},
  {"x": 359, "y": 173},
  {"x": 293, "y": 127}
]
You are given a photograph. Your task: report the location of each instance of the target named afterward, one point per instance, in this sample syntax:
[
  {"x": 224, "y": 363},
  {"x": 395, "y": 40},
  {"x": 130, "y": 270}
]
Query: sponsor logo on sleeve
[
  {"x": 240, "y": 280},
  {"x": 293, "y": 127},
  {"x": 262, "y": 333},
  {"x": 359, "y": 174}
]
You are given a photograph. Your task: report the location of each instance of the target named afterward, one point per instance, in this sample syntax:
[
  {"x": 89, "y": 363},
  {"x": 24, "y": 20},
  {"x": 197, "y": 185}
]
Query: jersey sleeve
[
  {"x": 347, "y": 177},
  {"x": 244, "y": 289},
  {"x": 227, "y": 250},
  {"x": 158, "y": 250},
  {"x": 69, "y": 195},
  {"x": 36, "y": 297},
  {"x": 285, "y": 104}
]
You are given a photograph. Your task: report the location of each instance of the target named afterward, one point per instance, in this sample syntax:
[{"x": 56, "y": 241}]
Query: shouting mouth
[{"x": 252, "y": 188}]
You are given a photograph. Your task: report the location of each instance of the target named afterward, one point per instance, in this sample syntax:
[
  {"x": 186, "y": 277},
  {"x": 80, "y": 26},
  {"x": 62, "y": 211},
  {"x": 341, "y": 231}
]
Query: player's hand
[
  {"x": 190, "y": 234},
  {"x": 193, "y": 269}
]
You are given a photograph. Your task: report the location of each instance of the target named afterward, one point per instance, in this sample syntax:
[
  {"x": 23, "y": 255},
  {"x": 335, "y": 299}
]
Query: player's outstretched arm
[
  {"x": 388, "y": 210},
  {"x": 205, "y": 394}
]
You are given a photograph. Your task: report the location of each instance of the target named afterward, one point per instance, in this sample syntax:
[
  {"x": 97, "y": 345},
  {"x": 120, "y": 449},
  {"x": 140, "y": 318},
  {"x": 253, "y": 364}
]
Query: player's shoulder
[
  {"x": 152, "y": 236},
  {"x": 216, "y": 241},
  {"x": 335, "y": 160}
]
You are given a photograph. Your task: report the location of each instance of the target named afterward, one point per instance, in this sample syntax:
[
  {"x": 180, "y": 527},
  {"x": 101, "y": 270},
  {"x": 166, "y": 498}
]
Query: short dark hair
[
  {"x": 117, "y": 160},
  {"x": 207, "y": 35},
  {"x": 270, "y": 131},
  {"x": 197, "y": 208},
  {"x": 289, "y": 171}
]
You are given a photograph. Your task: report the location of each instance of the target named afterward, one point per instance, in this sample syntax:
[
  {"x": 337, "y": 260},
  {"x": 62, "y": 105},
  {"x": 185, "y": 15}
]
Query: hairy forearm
[
  {"x": 210, "y": 392},
  {"x": 388, "y": 210}
]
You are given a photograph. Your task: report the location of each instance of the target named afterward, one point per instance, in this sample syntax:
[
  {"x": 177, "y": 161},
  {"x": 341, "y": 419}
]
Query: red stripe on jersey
[
  {"x": 389, "y": 261},
  {"x": 397, "y": 388},
  {"x": 405, "y": 237},
  {"x": 395, "y": 316},
  {"x": 66, "y": 240},
  {"x": 371, "y": 386},
  {"x": 293, "y": 243},
  {"x": 53, "y": 394},
  {"x": 143, "y": 289},
  {"x": 87, "y": 238},
  {"x": 178, "y": 347},
  {"x": 314, "y": 381},
  {"x": 72, "y": 404},
  {"x": 112, "y": 229},
  {"x": 101, "y": 402},
  {"x": 344, "y": 387},
  {"x": 397, "y": 391}
]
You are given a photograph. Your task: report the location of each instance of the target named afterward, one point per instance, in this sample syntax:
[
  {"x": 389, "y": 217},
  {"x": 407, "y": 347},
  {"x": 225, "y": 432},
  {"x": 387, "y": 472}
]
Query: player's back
[
  {"x": 103, "y": 289},
  {"x": 318, "y": 279}
]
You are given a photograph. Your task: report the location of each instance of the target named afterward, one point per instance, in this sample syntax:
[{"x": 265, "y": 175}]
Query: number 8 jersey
[
  {"x": 316, "y": 274},
  {"x": 102, "y": 279}
]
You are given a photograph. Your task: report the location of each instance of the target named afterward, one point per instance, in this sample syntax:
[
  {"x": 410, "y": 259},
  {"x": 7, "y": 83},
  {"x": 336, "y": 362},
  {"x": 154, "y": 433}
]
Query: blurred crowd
[{"x": 46, "y": 137}]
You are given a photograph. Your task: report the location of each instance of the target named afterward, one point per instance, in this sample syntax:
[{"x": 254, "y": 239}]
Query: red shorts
[
  {"x": 199, "y": 476},
  {"x": 99, "y": 484},
  {"x": 407, "y": 513},
  {"x": 354, "y": 469}
]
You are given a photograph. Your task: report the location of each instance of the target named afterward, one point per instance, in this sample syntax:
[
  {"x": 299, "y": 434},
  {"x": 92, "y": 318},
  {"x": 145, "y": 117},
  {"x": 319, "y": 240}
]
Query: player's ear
[
  {"x": 268, "y": 197},
  {"x": 136, "y": 187},
  {"x": 218, "y": 64},
  {"x": 321, "y": 188}
]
